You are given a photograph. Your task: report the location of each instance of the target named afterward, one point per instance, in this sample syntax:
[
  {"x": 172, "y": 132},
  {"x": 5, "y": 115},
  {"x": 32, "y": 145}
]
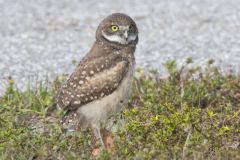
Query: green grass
[{"x": 194, "y": 113}]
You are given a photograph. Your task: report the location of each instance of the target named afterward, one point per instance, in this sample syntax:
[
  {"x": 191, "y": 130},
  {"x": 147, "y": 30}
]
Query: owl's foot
[
  {"x": 104, "y": 138},
  {"x": 96, "y": 152},
  {"x": 107, "y": 139},
  {"x": 99, "y": 144}
]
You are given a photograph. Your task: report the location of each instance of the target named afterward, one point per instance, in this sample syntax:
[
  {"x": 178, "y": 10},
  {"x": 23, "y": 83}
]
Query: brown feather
[{"x": 93, "y": 79}]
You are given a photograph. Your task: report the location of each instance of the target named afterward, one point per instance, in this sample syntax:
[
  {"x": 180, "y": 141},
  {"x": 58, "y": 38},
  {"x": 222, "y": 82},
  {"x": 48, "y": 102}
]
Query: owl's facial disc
[{"x": 120, "y": 34}]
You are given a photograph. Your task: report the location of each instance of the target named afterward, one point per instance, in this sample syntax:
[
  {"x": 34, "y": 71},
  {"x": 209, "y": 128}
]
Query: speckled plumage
[{"x": 101, "y": 83}]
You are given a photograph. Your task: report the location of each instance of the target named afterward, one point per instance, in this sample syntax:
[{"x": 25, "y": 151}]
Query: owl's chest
[{"x": 101, "y": 109}]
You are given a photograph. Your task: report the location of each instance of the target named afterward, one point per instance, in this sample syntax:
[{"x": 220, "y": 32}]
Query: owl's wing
[{"x": 93, "y": 79}]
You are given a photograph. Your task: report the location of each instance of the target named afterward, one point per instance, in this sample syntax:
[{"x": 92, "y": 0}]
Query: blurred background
[{"x": 40, "y": 39}]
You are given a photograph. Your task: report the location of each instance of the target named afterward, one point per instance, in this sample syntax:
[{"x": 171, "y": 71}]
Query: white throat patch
[
  {"x": 132, "y": 37},
  {"x": 116, "y": 38}
]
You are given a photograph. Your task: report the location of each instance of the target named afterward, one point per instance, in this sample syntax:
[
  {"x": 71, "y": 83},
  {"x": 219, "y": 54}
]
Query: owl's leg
[{"x": 98, "y": 135}]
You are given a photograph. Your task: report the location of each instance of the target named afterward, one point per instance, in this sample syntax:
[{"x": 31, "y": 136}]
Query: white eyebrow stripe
[{"x": 124, "y": 27}]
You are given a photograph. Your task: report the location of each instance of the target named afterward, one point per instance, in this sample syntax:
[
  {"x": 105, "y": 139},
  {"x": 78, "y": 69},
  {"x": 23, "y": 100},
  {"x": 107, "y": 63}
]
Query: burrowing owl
[{"x": 101, "y": 83}]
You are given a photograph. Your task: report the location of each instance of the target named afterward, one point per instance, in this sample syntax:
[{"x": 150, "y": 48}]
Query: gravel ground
[{"x": 40, "y": 38}]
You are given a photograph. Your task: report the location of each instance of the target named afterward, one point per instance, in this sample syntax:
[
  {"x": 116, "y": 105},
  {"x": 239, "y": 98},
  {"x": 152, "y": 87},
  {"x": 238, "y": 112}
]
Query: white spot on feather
[
  {"x": 81, "y": 82},
  {"x": 77, "y": 102},
  {"x": 102, "y": 94}
]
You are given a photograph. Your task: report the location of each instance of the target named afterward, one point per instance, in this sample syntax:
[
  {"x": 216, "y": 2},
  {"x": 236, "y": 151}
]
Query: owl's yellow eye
[{"x": 114, "y": 28}]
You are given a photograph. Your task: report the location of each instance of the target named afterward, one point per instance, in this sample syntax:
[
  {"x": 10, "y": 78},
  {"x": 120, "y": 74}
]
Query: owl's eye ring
[{"x": 114, "y": 28}]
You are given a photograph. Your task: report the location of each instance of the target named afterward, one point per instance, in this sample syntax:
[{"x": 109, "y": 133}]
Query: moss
[{"x": 193, "y": 113}]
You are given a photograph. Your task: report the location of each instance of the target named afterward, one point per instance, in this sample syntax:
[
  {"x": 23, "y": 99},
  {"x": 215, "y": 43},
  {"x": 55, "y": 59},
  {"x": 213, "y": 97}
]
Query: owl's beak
[{"x": 125, "y": 34}]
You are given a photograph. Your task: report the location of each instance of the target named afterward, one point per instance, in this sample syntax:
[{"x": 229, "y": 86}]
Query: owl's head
[{"x": 118, "y": 28}]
